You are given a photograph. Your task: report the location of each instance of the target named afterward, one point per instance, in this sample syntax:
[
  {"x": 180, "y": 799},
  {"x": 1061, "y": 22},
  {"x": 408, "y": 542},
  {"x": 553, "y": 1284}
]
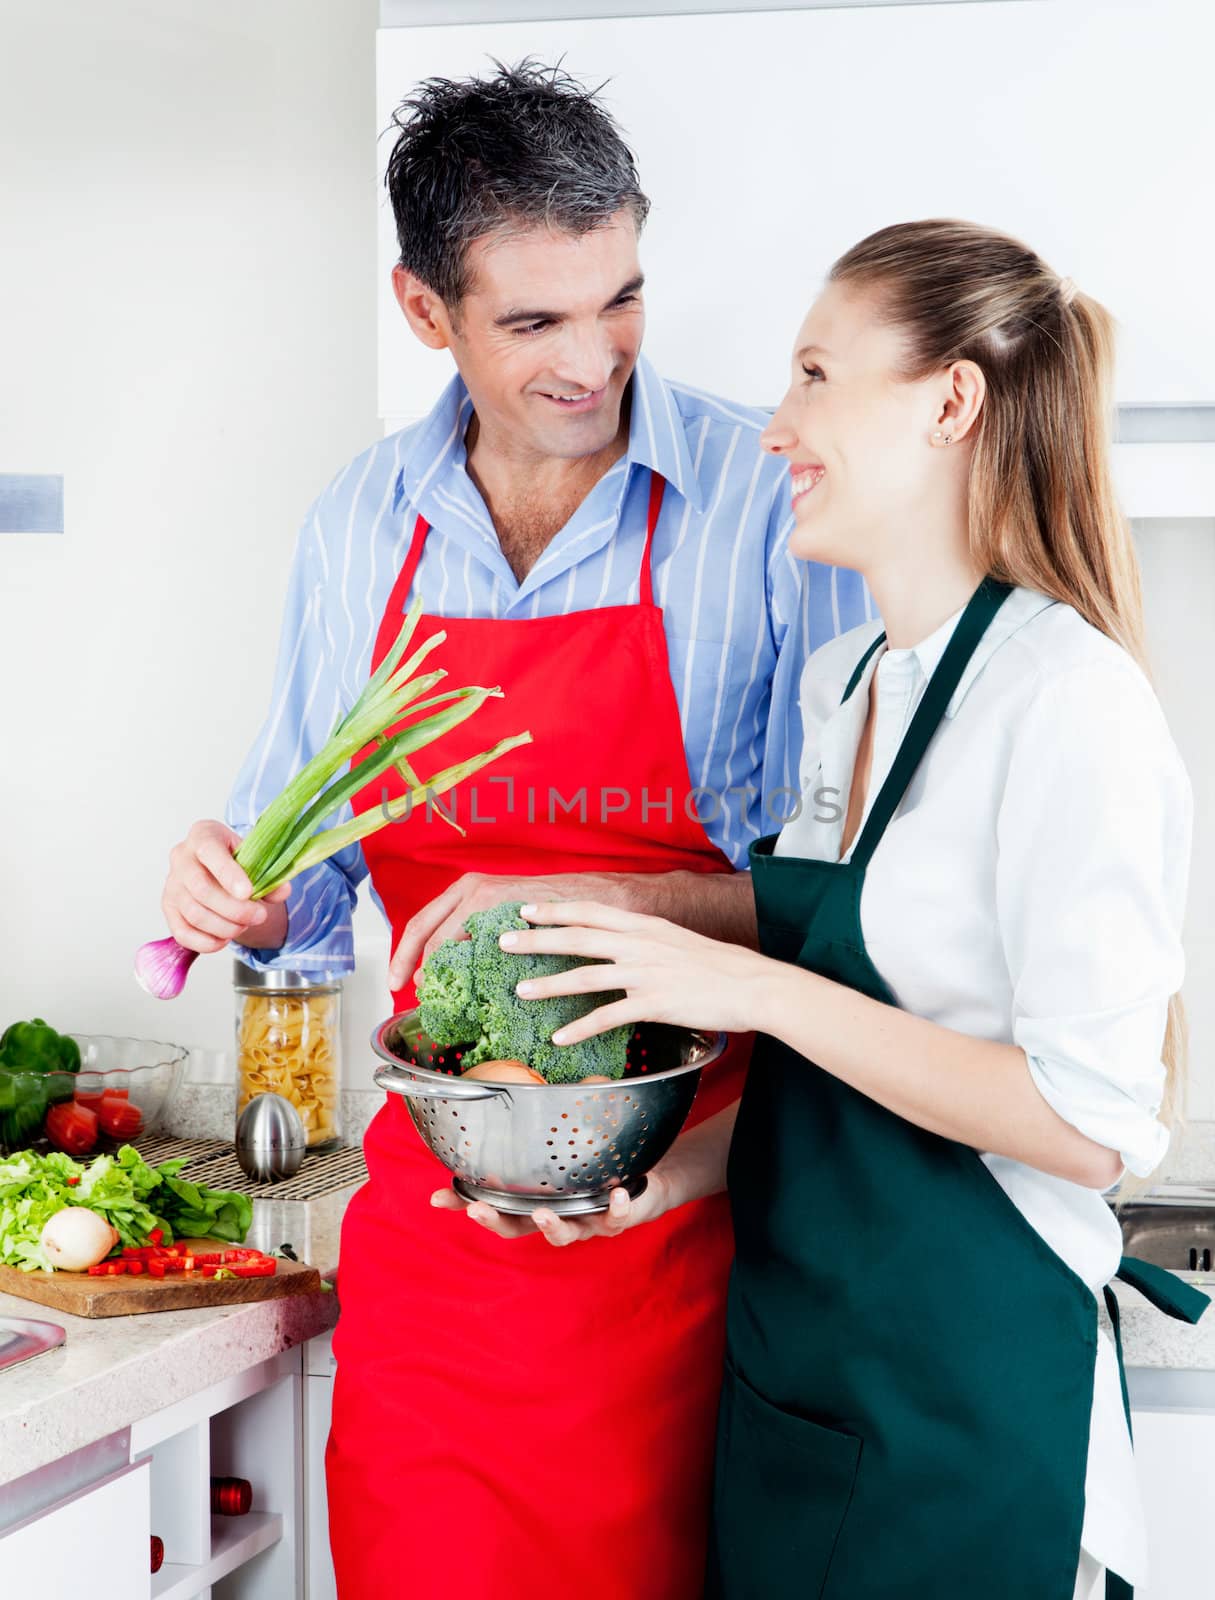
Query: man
[{"x": 610, "y": 549}]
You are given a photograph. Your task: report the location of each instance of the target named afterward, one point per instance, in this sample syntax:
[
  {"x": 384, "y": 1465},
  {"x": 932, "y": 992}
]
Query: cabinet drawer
[{"x": 95, "y": 1542}]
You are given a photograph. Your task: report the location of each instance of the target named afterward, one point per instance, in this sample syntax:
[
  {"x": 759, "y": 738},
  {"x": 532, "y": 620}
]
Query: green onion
[
  {"x": 284, "y": 840},
  {"x": 326, "y": 844}
]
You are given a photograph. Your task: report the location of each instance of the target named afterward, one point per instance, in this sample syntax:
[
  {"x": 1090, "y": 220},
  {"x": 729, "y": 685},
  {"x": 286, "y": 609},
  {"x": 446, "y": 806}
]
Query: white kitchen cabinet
[
  {"x": 261, "y": 1438},
  {"x": 96, "y": 1539},
  {"x": 319, "y": 1369},
  {"x": 1175, "y": 1456},
  {"x": 249, "y": 1426},
  {"x": 93, "y": 1542},
  {"x": 770, "y": 141}
]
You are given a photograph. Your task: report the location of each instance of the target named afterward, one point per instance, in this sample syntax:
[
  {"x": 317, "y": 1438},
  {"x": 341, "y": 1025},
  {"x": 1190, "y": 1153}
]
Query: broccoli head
[
  {"x": 446, "y": 996},
  {"x": 495, "y": 1024},
  {"x": 604, "y": 1055}
]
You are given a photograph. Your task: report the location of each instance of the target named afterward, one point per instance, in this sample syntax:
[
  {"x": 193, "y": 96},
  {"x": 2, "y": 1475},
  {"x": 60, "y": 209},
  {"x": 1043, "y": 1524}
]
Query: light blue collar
[{"x": 436, "y": 466}]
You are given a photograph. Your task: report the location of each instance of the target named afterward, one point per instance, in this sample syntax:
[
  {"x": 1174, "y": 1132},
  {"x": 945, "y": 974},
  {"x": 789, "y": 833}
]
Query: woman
[{"x": 968, "y": 967}]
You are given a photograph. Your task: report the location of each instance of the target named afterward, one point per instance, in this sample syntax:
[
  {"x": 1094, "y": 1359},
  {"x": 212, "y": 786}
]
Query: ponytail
[{"x": 1042, "y": 508}]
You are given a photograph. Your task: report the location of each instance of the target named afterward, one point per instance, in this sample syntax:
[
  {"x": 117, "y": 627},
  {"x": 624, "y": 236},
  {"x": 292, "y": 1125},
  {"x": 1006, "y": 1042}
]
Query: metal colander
[{"x": 565, "y": 1146}]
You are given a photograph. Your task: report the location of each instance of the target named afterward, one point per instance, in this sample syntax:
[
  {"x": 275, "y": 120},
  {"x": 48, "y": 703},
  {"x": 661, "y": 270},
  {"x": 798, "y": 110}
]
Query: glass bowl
[{"x": 118, "y": 1096}]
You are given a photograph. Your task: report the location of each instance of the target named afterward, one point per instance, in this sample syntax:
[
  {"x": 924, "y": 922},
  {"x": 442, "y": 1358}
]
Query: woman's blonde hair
[{"x": 1042, "y": 508}]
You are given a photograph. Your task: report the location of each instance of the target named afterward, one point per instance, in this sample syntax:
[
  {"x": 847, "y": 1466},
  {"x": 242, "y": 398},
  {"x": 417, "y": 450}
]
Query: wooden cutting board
[{"x": 83, "y": 1296}]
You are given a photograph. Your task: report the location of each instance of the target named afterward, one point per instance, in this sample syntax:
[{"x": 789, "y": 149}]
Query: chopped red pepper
[
  {"x": 72, "y": 1182},
  {"x": 156, "y": 1236},
  {"x": 156, "y": 1269},
  {"x": 99, "y": 1270},
  {"x": 266, "y": 1268},
  {"x": 135, "y": 1268},
  {"x": 115, "y": 1268}
]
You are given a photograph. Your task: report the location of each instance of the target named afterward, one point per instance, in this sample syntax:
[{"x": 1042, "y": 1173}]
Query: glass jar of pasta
[{"x": 289, "y": 1042}]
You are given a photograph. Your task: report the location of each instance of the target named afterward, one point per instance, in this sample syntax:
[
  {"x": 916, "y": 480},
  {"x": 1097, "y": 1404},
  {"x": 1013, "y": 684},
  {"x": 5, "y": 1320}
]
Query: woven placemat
[{"x": 213, "y": 1162}]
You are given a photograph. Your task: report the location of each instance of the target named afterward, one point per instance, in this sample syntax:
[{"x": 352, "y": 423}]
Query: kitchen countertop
[
  {"x": 1150, "y": 1339},
  {"x": 114, "y": 1370}
]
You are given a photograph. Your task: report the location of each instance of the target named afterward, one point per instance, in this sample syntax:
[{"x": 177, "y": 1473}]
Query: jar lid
[{"x": 247, "y": 977}]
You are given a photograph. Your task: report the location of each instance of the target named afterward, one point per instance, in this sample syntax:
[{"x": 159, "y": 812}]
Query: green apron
[{"x": 909, "y": 1375}]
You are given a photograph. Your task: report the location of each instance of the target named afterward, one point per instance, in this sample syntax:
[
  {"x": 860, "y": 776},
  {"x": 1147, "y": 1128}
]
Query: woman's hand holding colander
[{"x": 668, "y": 974}]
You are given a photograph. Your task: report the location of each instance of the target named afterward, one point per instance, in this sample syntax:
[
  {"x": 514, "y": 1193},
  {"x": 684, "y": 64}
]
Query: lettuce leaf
[{"x": 132, "y": 1196}]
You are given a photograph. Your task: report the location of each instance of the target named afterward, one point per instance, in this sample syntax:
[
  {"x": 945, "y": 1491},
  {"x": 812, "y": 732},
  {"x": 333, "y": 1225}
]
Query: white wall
[
  {"x": 187, "y": 256},
  {"x": 1178, "y": 564},
  {"x": 771, "y": 141}
]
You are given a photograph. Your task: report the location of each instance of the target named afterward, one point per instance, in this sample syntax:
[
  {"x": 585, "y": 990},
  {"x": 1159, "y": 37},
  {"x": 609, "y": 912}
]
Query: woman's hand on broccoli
[{"x": 666, "y": 973}]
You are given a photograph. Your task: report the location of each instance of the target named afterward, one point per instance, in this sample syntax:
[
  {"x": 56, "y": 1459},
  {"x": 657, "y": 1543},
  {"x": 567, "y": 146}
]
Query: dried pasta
[{"x": 288, "y": 1044}]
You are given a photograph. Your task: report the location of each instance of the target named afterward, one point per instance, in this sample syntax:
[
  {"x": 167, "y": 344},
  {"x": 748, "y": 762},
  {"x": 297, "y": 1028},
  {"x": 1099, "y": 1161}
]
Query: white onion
[{"x": 77, "y": 1238}]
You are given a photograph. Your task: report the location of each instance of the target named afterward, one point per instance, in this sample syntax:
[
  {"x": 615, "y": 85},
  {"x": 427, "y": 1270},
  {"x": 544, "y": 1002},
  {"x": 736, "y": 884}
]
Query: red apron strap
[
  {"x": 399, "y": 599},
  {"x": 658, "y": 486},
  {"x": 405, "y": 581}
]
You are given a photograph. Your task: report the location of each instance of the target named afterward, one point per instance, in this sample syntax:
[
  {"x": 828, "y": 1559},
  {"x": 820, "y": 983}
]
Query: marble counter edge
[
  {"x": 49, "y": 1423},
  {"x": 113, "y": 1371}
]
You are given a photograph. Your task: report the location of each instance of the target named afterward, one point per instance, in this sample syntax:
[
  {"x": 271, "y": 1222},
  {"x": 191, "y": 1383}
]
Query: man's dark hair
[{"x": 528, "y": 147}]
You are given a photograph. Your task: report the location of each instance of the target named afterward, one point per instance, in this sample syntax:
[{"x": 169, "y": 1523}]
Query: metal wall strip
[
  {"x": 31, "y": 502},
  {"x": 425, "y": 13},
  {"x": 1164, "y": 424}
]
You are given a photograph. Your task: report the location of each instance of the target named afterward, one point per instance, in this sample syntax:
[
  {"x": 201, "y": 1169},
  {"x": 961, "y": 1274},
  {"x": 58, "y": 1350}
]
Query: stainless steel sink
[
  {"x": 23, "y": 1337},
  {"x": 1179, "y": 1237}
]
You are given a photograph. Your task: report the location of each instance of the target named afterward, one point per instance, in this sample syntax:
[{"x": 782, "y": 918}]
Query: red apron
[{"x": 510, "y": 1418}]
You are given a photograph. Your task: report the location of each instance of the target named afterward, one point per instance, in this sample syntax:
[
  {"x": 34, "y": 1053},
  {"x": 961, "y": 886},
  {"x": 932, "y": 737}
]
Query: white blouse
[{"x": 1029, "y": 889}]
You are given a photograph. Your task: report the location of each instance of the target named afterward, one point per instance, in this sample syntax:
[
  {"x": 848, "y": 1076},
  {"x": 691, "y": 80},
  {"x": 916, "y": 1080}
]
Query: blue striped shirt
[{"x": 741, "y": 614}]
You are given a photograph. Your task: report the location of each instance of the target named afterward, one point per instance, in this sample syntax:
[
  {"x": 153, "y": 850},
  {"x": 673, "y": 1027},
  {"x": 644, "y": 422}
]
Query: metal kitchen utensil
[
  {"x": 564, "y": 1146},
  {"x": 270, "y": 1138},
  {"x": 23, "y": 1337}
]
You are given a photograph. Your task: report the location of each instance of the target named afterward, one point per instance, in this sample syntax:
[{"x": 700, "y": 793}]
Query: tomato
[
  {"x": 118, "y": 1117},
  {"x": 72, "y": 1128},
  {"x": 88, "y": 1097}
]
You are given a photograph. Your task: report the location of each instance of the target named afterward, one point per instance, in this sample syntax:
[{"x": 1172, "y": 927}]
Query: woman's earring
[{"x": 942, "y": 438}]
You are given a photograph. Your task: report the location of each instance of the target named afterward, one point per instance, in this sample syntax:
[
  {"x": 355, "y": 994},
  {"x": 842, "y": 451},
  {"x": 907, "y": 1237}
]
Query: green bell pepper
[
  {"x": 35, "y": 1068},
  {"x": 36, "y": 1047}
]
